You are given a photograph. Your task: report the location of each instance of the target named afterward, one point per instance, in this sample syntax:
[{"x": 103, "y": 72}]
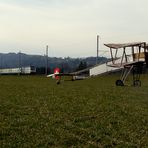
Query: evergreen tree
[{"x": 82, "y": 65}]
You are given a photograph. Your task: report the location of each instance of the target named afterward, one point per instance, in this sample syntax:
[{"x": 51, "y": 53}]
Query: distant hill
[{"x": 13, "y": 60}]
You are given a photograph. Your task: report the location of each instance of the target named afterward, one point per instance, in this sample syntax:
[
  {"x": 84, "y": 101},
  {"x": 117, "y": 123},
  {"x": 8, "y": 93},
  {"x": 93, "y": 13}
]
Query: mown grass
[{"x": 36, "y": 112}]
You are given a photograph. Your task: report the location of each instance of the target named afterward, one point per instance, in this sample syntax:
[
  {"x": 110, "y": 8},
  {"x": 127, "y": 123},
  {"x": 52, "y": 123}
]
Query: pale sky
[{"x": 70, "y": 27}]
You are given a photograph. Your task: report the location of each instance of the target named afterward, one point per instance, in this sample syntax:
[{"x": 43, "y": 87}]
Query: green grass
[{"x": 35, "y": 112}]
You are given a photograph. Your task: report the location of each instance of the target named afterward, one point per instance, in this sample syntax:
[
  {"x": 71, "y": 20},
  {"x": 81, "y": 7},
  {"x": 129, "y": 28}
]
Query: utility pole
[
  {"x": 97, "y": 49},
  {"x": 46, "y": 70},
  {"x": 19, "y": 62},
  {"x": 1, "y": 61}
]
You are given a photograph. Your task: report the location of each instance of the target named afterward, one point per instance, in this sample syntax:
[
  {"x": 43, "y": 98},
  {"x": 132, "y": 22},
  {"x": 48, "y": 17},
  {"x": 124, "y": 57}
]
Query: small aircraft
[
  {"x": 73, "y": 76},
  {"x": 56, "y": 71},
  {"x": 129, "y": 57},
  {"x": 57, "y": 75}
]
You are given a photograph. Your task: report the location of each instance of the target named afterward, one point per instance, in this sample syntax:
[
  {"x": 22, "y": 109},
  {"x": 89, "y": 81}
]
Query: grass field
[{"x": 35, "y": 112}]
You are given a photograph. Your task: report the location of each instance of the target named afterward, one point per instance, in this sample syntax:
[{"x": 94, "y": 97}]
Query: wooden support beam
[
  {"x": 133, "y": 53},
  {"x": 112, "y": 55},
  {"x": 123, "y": 56}
]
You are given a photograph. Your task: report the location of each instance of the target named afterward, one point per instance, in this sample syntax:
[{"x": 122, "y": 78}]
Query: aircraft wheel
[
  {"x": 137, "y": 83},
  {"x": 119, "y": 83},
  {"x": 58, "y": 81}
]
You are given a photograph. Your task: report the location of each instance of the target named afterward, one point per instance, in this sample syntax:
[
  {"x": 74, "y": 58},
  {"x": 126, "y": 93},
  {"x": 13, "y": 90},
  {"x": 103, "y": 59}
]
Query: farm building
[{"x": 22, "y": 70}]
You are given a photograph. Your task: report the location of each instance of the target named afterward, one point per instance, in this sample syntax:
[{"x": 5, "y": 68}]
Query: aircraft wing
[
  {"x": 134, "y": 63},
  {"x": 126, "y": 64},
  {"x": 65, "y": 74},
  {"x": 60, "y": 74},
  {"x": 51, "y": 75}
]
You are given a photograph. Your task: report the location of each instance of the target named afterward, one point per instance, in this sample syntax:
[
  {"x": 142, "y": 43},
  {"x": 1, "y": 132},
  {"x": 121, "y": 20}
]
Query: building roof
[{"x": 117, "y": 46}]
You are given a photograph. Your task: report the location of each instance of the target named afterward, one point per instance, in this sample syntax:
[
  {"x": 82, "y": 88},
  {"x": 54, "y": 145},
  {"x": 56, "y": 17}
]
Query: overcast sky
[{"x": 70, "y": 27}]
